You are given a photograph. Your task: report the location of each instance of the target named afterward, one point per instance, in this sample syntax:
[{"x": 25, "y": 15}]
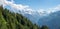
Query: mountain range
[
  {"x": 51, "y": 19},
  {"x": 43, "y": 17}
]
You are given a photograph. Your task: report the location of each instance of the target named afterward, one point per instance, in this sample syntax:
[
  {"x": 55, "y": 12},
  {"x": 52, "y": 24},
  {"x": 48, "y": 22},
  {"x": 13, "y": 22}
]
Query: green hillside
[{"x": 11, "y": 20}]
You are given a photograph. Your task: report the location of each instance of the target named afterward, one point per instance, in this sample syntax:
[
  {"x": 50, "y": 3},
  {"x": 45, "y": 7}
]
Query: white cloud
[
  {"x": 43, "y": 12},
  {"x": 16, "y": 6},
  {"x": 57, "y": 8},
  {"x": 27, "y": 9},
  {"x": 20, "y": 7}
]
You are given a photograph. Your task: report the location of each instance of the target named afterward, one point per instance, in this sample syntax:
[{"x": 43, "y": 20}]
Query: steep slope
[{"x": 11, "y": 20}]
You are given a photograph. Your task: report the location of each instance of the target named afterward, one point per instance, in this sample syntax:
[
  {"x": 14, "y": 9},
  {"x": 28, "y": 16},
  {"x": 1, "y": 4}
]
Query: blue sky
[{"x": 39, "y": 4}]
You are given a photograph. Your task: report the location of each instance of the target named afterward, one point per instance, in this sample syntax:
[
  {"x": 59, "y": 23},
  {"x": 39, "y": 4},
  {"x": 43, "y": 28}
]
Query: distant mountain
[{"x": 52, "y": 21}]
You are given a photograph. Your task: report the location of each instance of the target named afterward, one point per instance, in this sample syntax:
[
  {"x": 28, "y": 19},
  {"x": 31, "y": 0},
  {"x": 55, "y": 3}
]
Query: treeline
[{"x": 11, "y": 20}]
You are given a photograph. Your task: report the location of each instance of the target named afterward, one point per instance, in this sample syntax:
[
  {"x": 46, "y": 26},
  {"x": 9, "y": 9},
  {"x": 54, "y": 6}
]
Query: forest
[{"x": 11, "y": 20}]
